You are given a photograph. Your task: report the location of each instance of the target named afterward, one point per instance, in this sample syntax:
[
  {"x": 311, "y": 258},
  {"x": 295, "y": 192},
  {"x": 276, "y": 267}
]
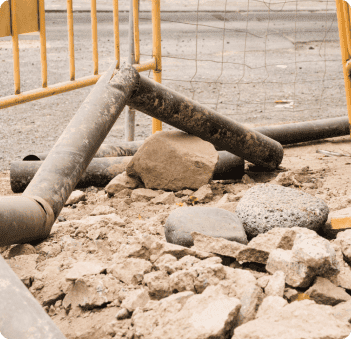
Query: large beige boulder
[{"x": 174, "y": 160}]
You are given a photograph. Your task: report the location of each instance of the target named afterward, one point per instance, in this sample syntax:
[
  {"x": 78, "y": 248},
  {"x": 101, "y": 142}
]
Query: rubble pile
[{"x": 130, "y": 261}]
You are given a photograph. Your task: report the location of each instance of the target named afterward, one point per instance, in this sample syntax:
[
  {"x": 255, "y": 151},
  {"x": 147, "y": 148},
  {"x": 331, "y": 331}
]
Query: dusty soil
[{"x": 321, "y": 176}]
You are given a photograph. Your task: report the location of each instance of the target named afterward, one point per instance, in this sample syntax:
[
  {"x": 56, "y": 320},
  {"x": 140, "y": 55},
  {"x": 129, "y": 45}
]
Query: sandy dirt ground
[{"x": 321, "y": 176}]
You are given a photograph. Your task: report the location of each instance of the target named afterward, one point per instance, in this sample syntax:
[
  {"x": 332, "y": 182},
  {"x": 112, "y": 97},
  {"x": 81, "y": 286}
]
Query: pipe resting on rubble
[
  {"x": 31, "y": 216},
  {"x": 102, "y": 170},
  {"x": 173, "y": 108},
  {"x": 122, "y": 149}
]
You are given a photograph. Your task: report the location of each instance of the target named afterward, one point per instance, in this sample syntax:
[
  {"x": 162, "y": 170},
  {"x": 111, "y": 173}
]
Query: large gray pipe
[
  {"x": 102, "y": 170},
  {"x": 122, "y": 149},
  {"x": 31, "y": 216},
  {"x": 285, "y": 134},
  {"x": 21, "y": 316},
  {"x": 189, "y": 116},
  {"x": 307, "y": 131}
]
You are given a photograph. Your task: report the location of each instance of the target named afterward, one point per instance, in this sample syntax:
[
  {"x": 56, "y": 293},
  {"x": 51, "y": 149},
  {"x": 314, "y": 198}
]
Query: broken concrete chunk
[
  {"x": 208, "y": 275},
  {"x": 343, "y": 277},
  {"x": 266, "y": 206},
  {"x": 209, "y": 315},
  {"x": 287, "y": 179},
  {"x": 342, "y": 311},
  {"x": 326, "y": 293},
  {"x": 240, "y": 279},
  {"x": 263, "y": 281},
  {"x": 166, "y": 263},
  {"x": 203, "y": 194},
  {"x": 135, "y": 299},
  {"x": 167, "y": 198},
  {"x": 216, "y": 245},
  {"x": 298, "y": 274},
  {"x": 315, "y": 252},
  {"x": 75, "y": 197},
  {"x": 91, "y": 292},
  {"x": 183, "y": 280},
  {"x": 184, "y": 193},
  {"x": 345, "y": 244},
  {"x": 303, "y": 319},
  {"x": 269, "y": 305},
  {"x": 214, "y": 222},
  {"x": 121, "y": 182},
  {"x": 144, "y": 194},
  {"x": 290, "y": 294},
  {"x": 251, "y": 298},
  {"x": 131, "y": 270},
  {"x": 174, "y": 160},
  {"x": 276, "y": 285},
  {"x": 84, "y": 268},
  {"x": 158, "y": 284},
  {"x": 251, "y": 254}
]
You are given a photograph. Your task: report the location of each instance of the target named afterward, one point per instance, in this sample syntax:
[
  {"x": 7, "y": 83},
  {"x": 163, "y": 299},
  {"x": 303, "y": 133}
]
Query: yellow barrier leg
[
  {"x": 345, "y": 56},
  {"x": 156, "y": 46},
  {"x": 15, "y": 48},
  {"x": 156, "y": 124}
]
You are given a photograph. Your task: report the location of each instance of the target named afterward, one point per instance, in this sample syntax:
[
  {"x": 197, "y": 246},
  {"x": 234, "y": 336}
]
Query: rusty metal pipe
[
  {"x": 122, "y": 149},
  {"x": 189, "y": 116},
  {"x": 307, "y": 131},
  {"x": 68, "y": 159},
  {"x": 102, "y": 170},
  {"x": 21, "y": 316},
  {"x": 285, "y": 134}
]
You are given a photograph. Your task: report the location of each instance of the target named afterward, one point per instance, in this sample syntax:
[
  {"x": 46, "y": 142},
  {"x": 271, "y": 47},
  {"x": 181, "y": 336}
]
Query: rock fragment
[
  {"x": 144, "y": 194},
  {"x": 266, "y": 206},
  {"x": 135, "y": 299},
  {"x": 216, "y": 245},
  {"x": 84, "y": 268},
  {"x": 121, "y": 182},
  {"x": 209, "y": 221},
  {"x": 203, "y": 194},
  {"x": 167, "y": 198},
  {"x": 208, "y": 315},
  {"x": 270, "y": 304},
  {"x": 303, "y": 319},
  {"x": 130, "y": 271},
  {"x": 75, "y": 197},
  {"x": 158, "y": 284},
  {"x": 326, "y": 293},
  {"x": 276, "y": 285},
  {"x": 174, "y": 161}
]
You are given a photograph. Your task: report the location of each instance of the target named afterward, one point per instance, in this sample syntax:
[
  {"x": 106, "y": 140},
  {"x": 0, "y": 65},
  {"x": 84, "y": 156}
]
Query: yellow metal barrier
[
  {"x": 27, "y": 16},
  {"x": 343, "y": 13}
]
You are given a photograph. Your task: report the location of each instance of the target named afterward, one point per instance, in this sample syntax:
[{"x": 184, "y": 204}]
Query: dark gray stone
[
  {"x": 266, "y": 206},
  {"x": 214, "y": 222}
]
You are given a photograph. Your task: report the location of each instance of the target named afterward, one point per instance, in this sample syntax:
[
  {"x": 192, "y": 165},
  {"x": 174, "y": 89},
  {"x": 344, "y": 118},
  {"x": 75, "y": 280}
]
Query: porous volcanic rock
[
  {"x": 264, "y": 207},
  {"x": 174, "y": 160},
  {"x": 211, "y": 221}
]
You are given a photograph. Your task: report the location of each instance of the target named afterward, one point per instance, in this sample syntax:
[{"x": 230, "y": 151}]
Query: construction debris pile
[
  {"x": 107, "y": 271},
  {"x": 185, "y": 240}
]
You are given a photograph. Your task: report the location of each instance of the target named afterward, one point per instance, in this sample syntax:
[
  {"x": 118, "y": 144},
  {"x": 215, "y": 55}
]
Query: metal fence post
[{"x": 130, "y": 112}]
